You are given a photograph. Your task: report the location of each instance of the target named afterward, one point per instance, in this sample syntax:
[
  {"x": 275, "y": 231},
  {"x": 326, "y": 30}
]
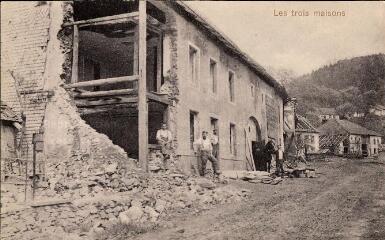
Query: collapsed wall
[
  {"x": 71, "y": 147},
  {"x": 91, "y": 184}
]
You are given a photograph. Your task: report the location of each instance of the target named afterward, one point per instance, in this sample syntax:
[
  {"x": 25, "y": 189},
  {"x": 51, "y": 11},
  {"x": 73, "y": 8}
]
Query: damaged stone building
[{"x": 76, "y": 70}]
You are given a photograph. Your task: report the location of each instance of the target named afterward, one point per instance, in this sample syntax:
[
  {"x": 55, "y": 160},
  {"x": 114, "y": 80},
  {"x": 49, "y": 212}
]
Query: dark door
[{"x": 258, "y": 155}]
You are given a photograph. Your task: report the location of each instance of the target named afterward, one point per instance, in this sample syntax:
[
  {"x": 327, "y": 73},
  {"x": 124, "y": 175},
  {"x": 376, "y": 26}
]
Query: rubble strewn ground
[
  {"x": 91, "y": 187},
  {"x": 90, "y": 209},
  {"x": 346, "y": 200}
]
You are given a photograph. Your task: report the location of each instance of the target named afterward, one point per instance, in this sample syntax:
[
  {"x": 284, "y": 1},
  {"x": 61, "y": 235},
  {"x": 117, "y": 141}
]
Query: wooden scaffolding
[{"x": 136, "y": 97}]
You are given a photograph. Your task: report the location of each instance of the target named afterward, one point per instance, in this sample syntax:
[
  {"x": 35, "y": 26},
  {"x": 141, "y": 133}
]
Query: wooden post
[
  {"x": 34, "y": 138},
  {"x": 142, "y": 88},
  {"x": 159, "y": 63},
  {"x": 75, "y": 55},
  {"x": 136, "y": 55}
]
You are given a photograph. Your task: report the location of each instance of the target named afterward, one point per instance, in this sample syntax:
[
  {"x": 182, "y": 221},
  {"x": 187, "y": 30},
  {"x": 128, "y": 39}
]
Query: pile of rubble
[
  {"x": 85, "y": 209},
  {"x": 91, "y": 186},
  {"x": 253, "y": 176}
]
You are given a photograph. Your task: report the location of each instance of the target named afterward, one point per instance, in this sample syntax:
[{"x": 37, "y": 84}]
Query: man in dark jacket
[{"x": 270, "y": 149}]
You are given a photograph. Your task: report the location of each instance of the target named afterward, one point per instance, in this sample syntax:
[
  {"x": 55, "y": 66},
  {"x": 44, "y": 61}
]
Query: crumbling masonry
[{"x": 54, "y": 58}]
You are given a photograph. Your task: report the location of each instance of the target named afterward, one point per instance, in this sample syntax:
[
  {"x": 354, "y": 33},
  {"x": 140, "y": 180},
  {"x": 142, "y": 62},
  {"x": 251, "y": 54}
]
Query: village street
[{"x": 345, "y": 201}]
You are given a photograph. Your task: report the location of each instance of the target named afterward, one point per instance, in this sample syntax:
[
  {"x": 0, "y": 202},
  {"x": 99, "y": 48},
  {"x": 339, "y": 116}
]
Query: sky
[{"x": 298, "y": 43}]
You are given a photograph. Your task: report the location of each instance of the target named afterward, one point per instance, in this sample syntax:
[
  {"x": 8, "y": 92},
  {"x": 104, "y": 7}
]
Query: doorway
[
  {"x": 215, "y": 139},
  {"x": 256, "y": 143}
]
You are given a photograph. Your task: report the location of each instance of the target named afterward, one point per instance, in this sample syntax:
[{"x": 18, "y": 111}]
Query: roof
[
  {"x": 327, "y": 141},
  {"x": 303, "y": 125},
  {"x": 335, "y": 126},
  {"x": 220, "y": 37},
  {"x": 379, "y": 107},
  {"x": 7, "y": 114},
  {"x": 326, "y": 111}
]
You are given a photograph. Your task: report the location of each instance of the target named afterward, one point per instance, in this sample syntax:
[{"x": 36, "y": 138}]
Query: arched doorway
[
  {"x": 254, "y": 130},
  {"x": 255, "y": 141}
]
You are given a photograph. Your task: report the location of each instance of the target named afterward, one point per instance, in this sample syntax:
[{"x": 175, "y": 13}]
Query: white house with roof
[
  {"x": 325, "y": 114},
  {"x": 348, "y": 138},
  {"x": 307, "y": 133},
  {"x": 378, "y": 110}
]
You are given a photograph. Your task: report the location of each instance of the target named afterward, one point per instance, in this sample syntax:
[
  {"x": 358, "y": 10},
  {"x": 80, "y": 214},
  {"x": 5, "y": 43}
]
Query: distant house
[
  {"x": 378, "y": 110},
  {"x": 343, "y": 138},
  {"x": 325, "y": 114},
  {"x": 358, "y": 114},
  {"x": 305, "y": 131}
]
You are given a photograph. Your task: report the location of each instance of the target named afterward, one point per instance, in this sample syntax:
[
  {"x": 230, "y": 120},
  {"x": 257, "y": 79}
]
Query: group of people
[
  {"x": 207, "y": 149},
  {"x": 266, "y": 153}
]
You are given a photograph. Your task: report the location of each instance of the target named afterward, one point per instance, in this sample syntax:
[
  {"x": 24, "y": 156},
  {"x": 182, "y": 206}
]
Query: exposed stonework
[
  {"x": 65, "y": 37},
  {"x": 171, "y": 79},
  {"x": 25, "y": 37},
  {"x": 77, "y": 140}
]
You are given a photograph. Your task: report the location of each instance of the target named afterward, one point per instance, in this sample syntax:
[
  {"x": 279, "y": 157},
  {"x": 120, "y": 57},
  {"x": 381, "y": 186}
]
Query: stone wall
[
  {"x": 198, "y": 97},
  {"x": 25, "y": 38}
]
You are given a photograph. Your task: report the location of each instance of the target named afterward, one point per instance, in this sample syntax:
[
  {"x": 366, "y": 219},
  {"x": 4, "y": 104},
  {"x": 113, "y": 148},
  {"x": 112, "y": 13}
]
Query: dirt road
[{"x": 345, "y": 201}]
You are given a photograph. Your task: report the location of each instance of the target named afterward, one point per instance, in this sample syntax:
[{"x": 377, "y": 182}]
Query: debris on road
[{"x": 253, "y": 176}]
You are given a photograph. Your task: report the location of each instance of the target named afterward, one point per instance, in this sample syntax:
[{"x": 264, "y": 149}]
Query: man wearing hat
[{"x": 205, "y": 149}]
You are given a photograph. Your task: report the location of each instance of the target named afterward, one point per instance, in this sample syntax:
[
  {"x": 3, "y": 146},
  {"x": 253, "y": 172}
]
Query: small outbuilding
[
  {"x": 307, "y": 133},
  {"x": 10, "y": 125}
]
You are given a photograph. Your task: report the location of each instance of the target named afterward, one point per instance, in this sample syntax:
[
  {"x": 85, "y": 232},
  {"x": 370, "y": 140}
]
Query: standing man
[
  {"x": 205, "y": 151},
  {"x": 215, "y": 143},
  {"x": 164, "y": 138},
  {"x": 279, "y": 161},
  {"x": 269, "y": 151},
  {"x": 258, "y": 156}
]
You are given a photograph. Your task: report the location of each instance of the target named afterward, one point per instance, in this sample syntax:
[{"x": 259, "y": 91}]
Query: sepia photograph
[{"x": 192, "y": 120}]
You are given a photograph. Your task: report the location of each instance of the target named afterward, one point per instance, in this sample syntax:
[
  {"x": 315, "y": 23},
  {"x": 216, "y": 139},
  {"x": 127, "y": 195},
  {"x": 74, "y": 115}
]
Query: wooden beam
[
  {"x": 110, "y": 22},
  {"x": 51, "y": 202},
  {"x": 136, "y": 54},
  {"x": 127, "y": 110},
  {"x": 142, "y": 88},
  {"x": 117, "y": 92},
  {"x": 159, "y": 63},
  {"x": 128, "y": 16},
  {"x": 162, "y": 98},
  {"x": 153, "y": 21},
  {"x": 82, "y": 103},
  {"x": 104, "y": 81},
  {"x": 75, "y": 55}
]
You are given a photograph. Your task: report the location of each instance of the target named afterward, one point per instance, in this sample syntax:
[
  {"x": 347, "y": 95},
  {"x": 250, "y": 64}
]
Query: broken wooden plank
[
  {"x": 110, "y": 22},
  {"x": 123, "y": 100},
  {"x": 75, "y": 55},
  {"x": 153, "y": 21},
  {"x": 129, "y": 110},
  {"x": 104, "y": 81},
  {"x": 129, "y": 16},
  {"x": 51, "y": 203},
  {"x": 107, "y": 93},
  {"x": 162, "y": 98}
]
